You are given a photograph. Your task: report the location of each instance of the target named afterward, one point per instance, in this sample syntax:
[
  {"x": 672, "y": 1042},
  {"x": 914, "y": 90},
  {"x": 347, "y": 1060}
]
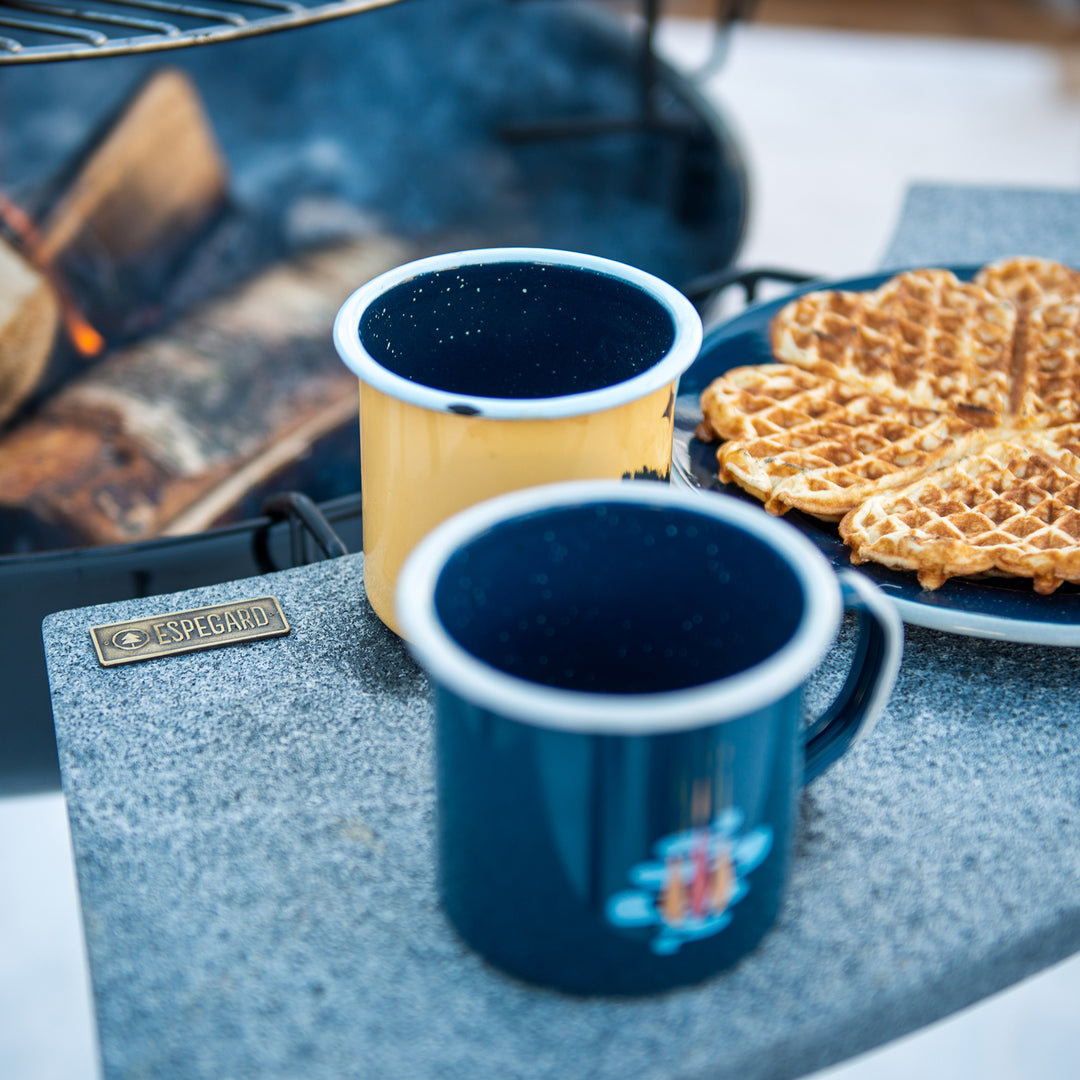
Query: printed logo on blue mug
[{"x": 617, "y": 672}]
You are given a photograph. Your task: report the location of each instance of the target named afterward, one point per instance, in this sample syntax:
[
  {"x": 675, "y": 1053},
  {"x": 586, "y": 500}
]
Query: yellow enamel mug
[{"x": 482, "y": 372}]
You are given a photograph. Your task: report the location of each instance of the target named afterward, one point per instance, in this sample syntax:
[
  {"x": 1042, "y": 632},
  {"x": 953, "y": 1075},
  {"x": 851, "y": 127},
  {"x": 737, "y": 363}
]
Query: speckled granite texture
[
  {"x": 253, "y": 833},
  {"x": 949, "y": 225}
]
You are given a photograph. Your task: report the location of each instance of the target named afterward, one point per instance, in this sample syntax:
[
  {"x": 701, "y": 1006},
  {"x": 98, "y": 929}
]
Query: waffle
[
  {"x": 1046, "y": 390},
  {"x": 796, "y": 439},
  {"x": 937, "y": 420},
  {"x": 923, "y": 338},
  {"x": 1046, "y": 360},
  {"x": 1008, "y": 508},
  {"x": 1029, "y": 282}
]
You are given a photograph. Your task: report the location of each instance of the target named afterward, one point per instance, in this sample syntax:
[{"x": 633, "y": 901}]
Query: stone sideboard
[{"x": 252, "y": 829}]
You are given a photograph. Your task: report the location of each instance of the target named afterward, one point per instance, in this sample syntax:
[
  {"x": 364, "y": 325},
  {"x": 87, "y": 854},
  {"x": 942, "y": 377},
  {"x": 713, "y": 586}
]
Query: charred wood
[
  {"x": 165, "y": 435},
  {"x": 28, "y": 321}
]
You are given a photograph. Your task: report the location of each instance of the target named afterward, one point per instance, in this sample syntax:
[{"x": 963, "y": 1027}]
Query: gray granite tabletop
[
  {"x": 253, "y": 833},
  {"x": 957, "y": 224},
  {"x": 253, "y": 836}
]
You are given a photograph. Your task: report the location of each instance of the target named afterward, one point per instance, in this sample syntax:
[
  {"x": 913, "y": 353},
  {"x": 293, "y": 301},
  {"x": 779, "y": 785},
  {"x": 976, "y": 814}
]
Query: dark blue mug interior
[
  {"x": 615, "y": 597},
  {"x": 517, "y": 330}
]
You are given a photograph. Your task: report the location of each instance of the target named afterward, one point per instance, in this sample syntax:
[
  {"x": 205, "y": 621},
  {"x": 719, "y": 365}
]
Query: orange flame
[{"x": 82, "y": 335}]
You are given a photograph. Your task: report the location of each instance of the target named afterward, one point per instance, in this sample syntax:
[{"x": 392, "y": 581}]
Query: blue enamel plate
[{"x": 1007, "y": 609}]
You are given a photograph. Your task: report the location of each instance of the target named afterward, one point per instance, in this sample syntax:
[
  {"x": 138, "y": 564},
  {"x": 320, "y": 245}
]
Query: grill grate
[{"x": 37, "y": 30}]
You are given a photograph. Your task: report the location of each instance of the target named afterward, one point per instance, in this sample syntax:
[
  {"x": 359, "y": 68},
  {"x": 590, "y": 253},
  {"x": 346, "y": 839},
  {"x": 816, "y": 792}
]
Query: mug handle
[{"x": 872, "y": 676}]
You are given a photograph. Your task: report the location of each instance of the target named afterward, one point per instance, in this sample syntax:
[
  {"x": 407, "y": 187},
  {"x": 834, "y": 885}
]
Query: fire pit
[
  {"x": 34, "y": 31},
  {"x": 415, "y": 129}
]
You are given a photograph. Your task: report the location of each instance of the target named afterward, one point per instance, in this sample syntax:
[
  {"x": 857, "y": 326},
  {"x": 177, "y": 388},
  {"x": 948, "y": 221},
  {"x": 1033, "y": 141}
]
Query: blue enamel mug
[{"x": 617, "y": 671}]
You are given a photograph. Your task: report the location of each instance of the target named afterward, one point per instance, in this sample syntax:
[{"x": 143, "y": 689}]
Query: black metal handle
[
  {"x": 704, "y": 290},
  {"x": 728, "y": 13},
  {"x": 305, "y": 520}
]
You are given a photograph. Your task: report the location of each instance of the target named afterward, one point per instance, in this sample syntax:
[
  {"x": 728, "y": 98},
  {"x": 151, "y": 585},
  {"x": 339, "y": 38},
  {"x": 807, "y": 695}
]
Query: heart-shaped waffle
[
  {"x": 800, "y": 439},
  {"x": 939, "y": 419},
  {"x": 923, "y": 338},
  {"x": 1028, "y": 281},
  {"x": 1008, "y": 508}
]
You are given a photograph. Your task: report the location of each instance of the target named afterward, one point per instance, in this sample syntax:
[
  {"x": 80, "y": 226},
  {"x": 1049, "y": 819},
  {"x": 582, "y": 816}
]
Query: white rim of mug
[
  {"x": 684, "y": 348},
  {"x": 631, "y": 714}
]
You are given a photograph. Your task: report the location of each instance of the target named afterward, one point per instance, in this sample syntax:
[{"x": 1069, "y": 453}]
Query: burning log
[
  {"x": 29, "y": 315},
  {"x": 114, "y": 223},
  {"x": 147, "y": 184},
  {"x": 163, "y": 436},
  {"x": 167, "y": 434}
]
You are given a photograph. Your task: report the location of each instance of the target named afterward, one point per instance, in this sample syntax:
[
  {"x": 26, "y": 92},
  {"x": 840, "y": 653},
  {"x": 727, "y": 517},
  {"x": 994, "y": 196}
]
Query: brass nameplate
[{"x": 188, "y": 631}]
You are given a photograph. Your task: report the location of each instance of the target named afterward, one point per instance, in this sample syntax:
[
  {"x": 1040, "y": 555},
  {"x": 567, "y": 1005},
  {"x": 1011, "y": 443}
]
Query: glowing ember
[{"x": 86, "y": 340}]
